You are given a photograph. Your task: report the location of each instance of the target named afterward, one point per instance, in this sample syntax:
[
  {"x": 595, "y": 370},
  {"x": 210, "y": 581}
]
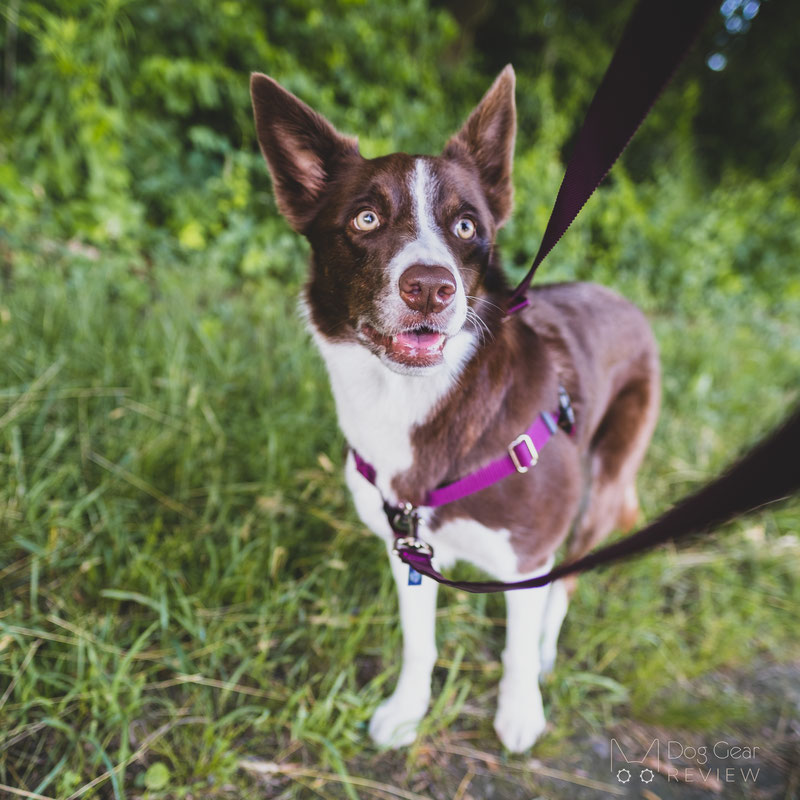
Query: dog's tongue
[{"x": 413, "y": 343}]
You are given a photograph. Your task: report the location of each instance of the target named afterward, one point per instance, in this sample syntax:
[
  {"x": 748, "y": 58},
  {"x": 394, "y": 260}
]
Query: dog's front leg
[
  {"x": 395, "y": 722},
  {"x": 520, "y": 716}
]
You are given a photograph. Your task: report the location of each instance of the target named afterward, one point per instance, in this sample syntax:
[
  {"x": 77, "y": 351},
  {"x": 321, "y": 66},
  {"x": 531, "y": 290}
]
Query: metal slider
[{"x": 523, "y": 438}]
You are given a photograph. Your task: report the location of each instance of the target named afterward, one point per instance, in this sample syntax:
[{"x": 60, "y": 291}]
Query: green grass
[{"x": 185, "y": 585}]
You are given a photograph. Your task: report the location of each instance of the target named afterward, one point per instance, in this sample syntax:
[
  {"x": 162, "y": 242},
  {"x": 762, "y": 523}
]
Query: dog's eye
[
  {"x": 366, "y": 220},
  {"x": 465, "y": 228}
]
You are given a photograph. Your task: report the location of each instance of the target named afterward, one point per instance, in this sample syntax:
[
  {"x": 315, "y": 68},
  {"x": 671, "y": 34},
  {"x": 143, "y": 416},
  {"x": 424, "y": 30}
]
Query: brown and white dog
[{"x": 431, "y": 380}]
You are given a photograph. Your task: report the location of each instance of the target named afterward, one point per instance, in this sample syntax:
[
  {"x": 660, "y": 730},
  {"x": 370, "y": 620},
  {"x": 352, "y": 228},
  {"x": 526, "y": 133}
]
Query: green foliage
[
  {"x": 129, "y": 127},
  {"x": 128, "y": 118},
  {"x": 180, "y": 561},
  {"x": 744, "y": 117}
]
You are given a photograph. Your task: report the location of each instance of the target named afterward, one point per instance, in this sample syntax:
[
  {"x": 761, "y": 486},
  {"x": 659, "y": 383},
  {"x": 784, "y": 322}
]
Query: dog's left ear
[{"x": 488, "y": 139}]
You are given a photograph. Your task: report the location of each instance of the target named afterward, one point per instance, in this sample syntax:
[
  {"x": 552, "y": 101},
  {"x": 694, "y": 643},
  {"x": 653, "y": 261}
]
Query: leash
[{"x": 655, "y": 40}]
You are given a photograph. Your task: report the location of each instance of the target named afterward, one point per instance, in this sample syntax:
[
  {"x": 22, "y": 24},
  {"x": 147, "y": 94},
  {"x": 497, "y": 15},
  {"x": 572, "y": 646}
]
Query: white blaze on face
[
  {"x": 429, "y": 237},
  {"x": 429, "y": 245}
]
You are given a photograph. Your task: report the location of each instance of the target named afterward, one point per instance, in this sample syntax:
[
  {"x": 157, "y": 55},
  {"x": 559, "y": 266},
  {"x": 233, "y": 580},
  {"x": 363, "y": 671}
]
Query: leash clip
[
  {"x": 404, "y": 521},
  {"x": 404, "y": 543}
]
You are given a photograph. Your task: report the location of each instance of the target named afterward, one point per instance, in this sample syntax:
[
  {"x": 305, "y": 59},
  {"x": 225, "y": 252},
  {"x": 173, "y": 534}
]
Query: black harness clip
[
  {"x": 403, "y": 520},
  {"x": 566, "y": 414}
]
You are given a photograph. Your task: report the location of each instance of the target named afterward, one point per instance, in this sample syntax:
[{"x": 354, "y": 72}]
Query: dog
[{"x": 432, "y": 378}]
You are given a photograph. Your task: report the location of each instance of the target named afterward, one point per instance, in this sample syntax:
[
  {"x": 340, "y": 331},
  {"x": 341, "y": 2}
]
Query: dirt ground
[{"x": 754, "y": 758}]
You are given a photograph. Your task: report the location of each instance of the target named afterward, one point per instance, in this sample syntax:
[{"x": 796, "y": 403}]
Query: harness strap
[
  {"x": 768, "y": 473},
  {"x": 521, "y": 455},
  {"x": 654, "y": 42}
]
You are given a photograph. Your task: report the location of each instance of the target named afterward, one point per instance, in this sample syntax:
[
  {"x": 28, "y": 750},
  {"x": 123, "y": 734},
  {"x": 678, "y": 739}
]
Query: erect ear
[
  {"x": 488, "y": 139},
  {"x": 301, "y": 148}
]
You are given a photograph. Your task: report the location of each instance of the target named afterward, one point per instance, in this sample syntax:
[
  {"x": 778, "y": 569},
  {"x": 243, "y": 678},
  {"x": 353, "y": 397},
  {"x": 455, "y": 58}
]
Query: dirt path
[{"x": 754, "y": 757}]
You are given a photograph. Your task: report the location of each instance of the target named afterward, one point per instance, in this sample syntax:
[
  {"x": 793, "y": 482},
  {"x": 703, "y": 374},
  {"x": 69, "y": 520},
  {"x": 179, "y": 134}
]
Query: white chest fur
[{"x": 378, "y": 409}]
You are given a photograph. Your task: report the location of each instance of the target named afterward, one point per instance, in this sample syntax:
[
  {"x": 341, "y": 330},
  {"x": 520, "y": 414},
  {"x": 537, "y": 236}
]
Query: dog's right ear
[{"x": 301, "y": 148}]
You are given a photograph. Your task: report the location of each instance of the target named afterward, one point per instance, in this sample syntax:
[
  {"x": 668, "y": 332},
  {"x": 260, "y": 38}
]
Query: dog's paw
[
  {"x": 396, "y": 720},
  {"x": 519, "y": 721}
]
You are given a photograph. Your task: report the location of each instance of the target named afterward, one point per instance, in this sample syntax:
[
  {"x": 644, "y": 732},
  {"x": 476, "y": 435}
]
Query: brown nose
[{"x": 427, "y": 289}]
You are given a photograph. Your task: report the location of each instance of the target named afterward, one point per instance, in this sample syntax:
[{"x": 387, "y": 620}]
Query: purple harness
[{"x": 520, "y": 456}]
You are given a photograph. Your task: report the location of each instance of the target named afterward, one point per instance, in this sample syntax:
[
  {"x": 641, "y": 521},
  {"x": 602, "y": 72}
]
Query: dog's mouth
[{"x": 415, "y": 347}]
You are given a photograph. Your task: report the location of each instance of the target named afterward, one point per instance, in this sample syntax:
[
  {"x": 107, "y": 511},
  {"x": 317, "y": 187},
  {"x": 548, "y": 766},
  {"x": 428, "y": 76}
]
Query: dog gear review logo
[
  {"x": 635, "y": 768},
  {"x": 702, "y": 770}
]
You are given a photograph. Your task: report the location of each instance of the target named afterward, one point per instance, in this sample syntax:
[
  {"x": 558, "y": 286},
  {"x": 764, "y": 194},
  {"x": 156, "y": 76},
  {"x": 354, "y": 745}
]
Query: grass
[{"x": 190, "y": 607}]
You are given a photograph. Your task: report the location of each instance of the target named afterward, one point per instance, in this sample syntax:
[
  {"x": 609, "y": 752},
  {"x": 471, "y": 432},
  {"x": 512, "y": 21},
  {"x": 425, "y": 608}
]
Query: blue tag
[{"x": 414, "y": 578}]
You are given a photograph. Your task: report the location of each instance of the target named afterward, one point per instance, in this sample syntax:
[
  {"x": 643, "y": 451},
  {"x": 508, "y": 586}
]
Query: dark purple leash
[{"x": 654, "y": 42}]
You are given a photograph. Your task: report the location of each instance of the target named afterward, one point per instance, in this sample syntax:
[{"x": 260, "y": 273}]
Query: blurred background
[{"x": 188, "y": 604}]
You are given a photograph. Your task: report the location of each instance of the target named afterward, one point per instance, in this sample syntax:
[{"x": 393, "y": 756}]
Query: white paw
[
  {"x": 396, "y": 720},
  {"x": 519, "y": 721}
]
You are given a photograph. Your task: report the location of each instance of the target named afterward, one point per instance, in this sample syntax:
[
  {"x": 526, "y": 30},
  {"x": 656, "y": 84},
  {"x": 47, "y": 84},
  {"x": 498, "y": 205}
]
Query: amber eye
[
  {"x": 366, "y": 220},
  {"x": 465, "y": 228}
]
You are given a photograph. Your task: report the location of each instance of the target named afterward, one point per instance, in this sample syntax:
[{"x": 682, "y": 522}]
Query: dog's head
[{"x": 402, "y": 245}]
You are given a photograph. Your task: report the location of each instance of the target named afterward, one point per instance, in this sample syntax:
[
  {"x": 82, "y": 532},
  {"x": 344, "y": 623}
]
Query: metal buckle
[
  {"x": 523, "y": 438},
  {"x": 412, "y": 543},
  {"x": 566, "y": 414}
]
